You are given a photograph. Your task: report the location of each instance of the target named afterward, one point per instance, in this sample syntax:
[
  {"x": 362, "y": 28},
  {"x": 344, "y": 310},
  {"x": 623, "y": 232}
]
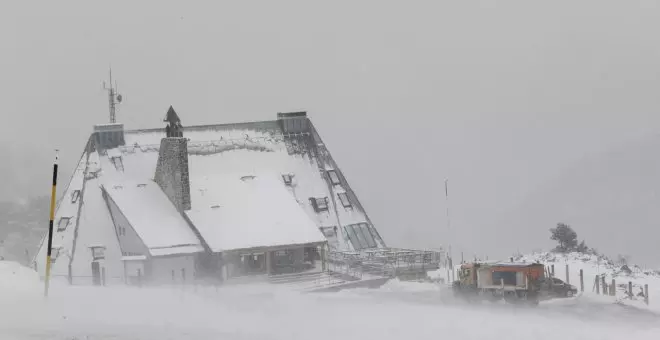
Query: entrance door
[{"x": 96, "y": 273}]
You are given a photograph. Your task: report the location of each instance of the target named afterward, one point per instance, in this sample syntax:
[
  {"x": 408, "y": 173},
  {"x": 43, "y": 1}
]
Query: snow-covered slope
[
  {"x": 18, "y": 285},
  {"x": 600, "y": 266}
]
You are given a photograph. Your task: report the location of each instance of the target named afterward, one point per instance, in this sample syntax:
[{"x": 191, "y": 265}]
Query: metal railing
[{"x": 383, "y": 262}]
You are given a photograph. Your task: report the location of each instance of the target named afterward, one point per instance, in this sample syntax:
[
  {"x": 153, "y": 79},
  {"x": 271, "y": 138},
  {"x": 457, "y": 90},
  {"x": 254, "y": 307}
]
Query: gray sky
[{"x": 499, "y": 96}]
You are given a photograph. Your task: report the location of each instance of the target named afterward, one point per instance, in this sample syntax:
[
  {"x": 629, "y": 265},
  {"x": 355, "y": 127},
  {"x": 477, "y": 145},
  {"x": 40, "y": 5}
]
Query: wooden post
[
  {"x": 568, "y": 278},
  {"x": 581, "y": 280},
  {"x": 646, "y": 293},
  {"x": 630, "y": 291},
  {"x": 183, "y": 276},
  {"x": 604, "y": 285},
  {"x": 597, "y": 285},
  {"x": 552, "y": 270},
  {"x": 613, "y": 288}
]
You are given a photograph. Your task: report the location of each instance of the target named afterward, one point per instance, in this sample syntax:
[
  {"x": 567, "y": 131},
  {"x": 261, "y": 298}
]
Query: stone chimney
[
  {"x": 109, "y": 136},
  {"x": 172, "y": 168},
  {"x": 293, "y": 122},
  {"x": 172, "y": 171}
]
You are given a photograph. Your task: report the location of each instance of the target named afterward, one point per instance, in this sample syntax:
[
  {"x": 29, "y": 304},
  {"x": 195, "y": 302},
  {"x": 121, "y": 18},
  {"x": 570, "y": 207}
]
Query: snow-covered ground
[
  {"x": 594, "y": 266},
  {"x": 397, "y": 310}
]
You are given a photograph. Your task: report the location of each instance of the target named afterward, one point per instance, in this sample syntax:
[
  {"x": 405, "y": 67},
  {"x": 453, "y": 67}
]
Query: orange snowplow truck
[{"x": 510, "y": 281}]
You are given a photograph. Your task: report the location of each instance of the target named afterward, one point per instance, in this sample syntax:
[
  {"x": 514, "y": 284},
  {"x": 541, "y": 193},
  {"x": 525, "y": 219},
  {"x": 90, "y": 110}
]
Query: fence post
[
  {"x": 604, "y": 285},
  {"x": 581, "y": 280},
  {"x": 630, "y": 291},
  {"x": 597, "y": 285},
  {"x": 646, "y": 293},
  {"x": 552, "y": 267},
  {"x": 613, "y": 288},
  {"x": 568, "y": 278}
]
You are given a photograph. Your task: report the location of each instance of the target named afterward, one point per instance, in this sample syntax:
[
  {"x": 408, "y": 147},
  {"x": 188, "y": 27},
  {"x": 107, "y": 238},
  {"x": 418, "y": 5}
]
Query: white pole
[{"x": 449, "y": 253}]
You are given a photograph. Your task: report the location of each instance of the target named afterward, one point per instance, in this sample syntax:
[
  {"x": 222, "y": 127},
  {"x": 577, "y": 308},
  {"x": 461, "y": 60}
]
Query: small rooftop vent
[
  {"x": 293, "y": 122},
  {"x": 109, "y": 136}
]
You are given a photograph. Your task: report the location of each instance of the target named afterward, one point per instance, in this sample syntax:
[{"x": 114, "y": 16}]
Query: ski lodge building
[{"x": 207, "y": 202}]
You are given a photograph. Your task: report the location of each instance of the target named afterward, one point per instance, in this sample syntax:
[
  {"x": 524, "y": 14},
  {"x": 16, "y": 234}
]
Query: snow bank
[
  {"x": 17, "y": 280},
  {"x": 600, "y": 266}
]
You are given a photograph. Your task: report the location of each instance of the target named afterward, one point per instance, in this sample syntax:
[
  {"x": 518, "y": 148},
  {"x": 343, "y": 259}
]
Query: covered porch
[{"x": 273, "y": 260}]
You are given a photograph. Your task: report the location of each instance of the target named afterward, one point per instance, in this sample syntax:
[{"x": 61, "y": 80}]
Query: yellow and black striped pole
[{"x": 50, "y": 225}]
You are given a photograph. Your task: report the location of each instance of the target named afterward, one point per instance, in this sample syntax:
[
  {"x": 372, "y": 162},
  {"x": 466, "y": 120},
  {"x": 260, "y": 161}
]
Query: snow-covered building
[{"x": 204, "y": 202}]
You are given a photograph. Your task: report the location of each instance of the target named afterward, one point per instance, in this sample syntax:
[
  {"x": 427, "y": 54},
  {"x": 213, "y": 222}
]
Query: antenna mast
[
  {"x": 449, "y": 252},
  {"x": 113, "y": 98}
]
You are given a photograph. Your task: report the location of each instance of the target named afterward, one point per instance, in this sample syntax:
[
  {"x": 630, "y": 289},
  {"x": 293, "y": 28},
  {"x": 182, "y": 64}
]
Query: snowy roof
[
  {"x": 258, "y": 148},
  {"x": 251, "y": 213},
  {"x": 154, "y": 218}
]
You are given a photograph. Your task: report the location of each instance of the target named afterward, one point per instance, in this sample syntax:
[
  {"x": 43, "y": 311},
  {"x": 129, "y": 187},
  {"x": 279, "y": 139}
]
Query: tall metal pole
[
  {"x": 111, "y": 99},
  {"x": 449, "y": 253},
  {"x": 50, "y": 225}
]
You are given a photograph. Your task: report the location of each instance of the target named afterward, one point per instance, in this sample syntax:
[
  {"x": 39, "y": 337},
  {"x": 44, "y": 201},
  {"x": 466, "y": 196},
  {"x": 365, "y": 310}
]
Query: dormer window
[
  {"x": 329, "y": 231},
  {"x": 319, "y": 204},
  {"x": 343, "y": 197},
  {"x": 288, "y": 179},
  {"x": 63, "y": 223},
  {"x": 334, "y": 178},
  {"x": 74, "y": 196}
]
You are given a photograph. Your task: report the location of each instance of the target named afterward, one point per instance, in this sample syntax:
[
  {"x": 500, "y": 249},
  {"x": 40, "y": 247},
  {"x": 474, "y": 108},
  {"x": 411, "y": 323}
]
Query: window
[
  {"x": 329, "y": 231},
  {"x": 343, "y": 197},
  {"x": 98, "y": 253},
  {"x": 63, "y": 223},
  {"x": 74, "y": 196},
  {"x": 54, "y": 253},
  {"x": 368, "y": 237},
  {"x": 357, "y": 245},
  {"x": 288, "y": 179},
  {"x": 360, "y": 236},
  {"x": 117, "y": 162},
  {"x": 319, "y": 204},
  {"x": 334, "y": 179}
]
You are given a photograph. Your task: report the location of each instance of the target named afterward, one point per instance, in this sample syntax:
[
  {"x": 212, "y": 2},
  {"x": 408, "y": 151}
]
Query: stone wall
[{"x": 172, "y": 171}]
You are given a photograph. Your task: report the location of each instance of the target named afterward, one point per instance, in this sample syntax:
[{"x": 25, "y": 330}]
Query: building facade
[{"x": 213, "y": 202}]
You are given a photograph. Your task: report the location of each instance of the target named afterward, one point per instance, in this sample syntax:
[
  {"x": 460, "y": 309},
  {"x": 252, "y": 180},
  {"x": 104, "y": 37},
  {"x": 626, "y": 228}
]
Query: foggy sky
[{"x": 498, "y": 96}]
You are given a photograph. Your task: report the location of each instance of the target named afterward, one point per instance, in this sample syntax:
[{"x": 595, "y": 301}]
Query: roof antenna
[{"x": 113, "y": 98}]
